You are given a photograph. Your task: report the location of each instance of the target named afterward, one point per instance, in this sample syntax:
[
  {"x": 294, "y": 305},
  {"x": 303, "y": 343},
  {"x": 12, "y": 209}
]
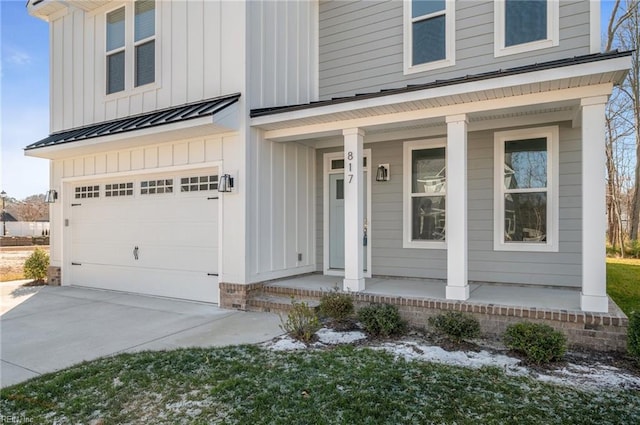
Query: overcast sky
[{"x": 24, "y": 92}]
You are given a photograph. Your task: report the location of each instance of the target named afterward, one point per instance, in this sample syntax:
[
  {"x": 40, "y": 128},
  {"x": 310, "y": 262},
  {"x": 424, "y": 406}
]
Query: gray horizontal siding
[
  {"x": 361, "y": 44},
  {"x": 390, "y": 258}
]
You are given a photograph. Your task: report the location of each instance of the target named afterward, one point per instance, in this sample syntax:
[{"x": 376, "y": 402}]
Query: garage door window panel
[
  {"x": 84, "y": 192},
  {"x": 118, "y": 189},
  {"x": 198, "y": 183},
  {"x": 156, "y": 187}
]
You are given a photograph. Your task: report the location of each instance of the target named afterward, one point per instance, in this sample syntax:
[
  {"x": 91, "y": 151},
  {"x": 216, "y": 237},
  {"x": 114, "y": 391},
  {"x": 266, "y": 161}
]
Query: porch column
[
  {"x": 594, "y": 221},
  {"x": 353, "y": 210},
  {"x": 456, "y": 234}
]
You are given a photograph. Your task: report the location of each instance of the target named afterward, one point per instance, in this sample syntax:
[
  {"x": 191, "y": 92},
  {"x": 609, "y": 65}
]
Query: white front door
[{"x": 334, "y": 214}]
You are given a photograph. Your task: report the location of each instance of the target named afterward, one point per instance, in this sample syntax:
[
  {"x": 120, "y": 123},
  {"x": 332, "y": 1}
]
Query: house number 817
[{"x": 350, "y": 158}]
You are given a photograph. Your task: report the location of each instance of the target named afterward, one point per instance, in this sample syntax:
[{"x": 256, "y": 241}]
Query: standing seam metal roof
[
  {"x": 577, "y": 60},
  {"x": 147, "y": 120}
]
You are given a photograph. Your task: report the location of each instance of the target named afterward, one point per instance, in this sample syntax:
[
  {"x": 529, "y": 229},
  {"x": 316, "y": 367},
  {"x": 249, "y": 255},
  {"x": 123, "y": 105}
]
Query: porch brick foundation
[
  {"x": 54, "y": 276},
  {"x": 234, "y": 296},
  {"x": 595, "y": 331}
]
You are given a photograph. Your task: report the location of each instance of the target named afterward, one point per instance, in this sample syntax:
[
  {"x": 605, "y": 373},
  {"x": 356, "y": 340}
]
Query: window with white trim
[
  {"x": 130, "y": 52},
  {"x": 526, "y": 190},
  {"x": 429, "y": 35},
  {"x": 525, "y": 25},
  {"x": 425, "y": 194}
]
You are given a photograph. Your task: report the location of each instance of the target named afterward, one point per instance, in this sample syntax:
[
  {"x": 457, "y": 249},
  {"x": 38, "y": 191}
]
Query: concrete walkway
[{"x": 44, "y": 329}]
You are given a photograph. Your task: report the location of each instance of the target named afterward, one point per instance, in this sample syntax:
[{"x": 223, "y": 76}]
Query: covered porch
[{"x": 562, "y": 104}]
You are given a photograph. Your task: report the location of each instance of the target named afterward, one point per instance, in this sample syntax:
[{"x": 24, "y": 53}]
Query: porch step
[{"x": 275, "y": 304}]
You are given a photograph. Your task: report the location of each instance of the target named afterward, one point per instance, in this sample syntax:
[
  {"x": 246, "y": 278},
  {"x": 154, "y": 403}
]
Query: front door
[{"x": 334, "y": 215}]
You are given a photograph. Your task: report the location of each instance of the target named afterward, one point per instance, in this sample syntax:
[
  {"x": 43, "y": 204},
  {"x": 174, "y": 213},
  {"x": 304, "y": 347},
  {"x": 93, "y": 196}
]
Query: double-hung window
[
  {"x": 525, "y": 25},
  {"x": 526, "y": 190},
  {"x": 425, "y": 193},
  {"x": 429, "y": 34},
  {"x": 130, "y": 46}
]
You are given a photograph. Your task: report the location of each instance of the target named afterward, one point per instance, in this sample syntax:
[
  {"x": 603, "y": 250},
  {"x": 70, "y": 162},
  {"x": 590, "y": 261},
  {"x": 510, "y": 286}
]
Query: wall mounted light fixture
[
  {"x": 225, "y": 183},
  {"x": 51, "y": 196},
  {"x": 382, "y": 174}
]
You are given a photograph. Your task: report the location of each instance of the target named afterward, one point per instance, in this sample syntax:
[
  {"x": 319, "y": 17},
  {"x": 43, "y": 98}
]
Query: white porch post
[
  {"x": 456, "y": 234},
  {"x": 353, "y": 209},
  {"x": 594, "y": 222}
]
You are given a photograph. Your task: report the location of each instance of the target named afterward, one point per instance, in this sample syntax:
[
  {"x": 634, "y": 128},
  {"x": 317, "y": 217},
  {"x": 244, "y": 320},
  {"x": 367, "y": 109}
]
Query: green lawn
[
  {"x": 345, "y": 385},
  {"x": 623, "y": 283}
]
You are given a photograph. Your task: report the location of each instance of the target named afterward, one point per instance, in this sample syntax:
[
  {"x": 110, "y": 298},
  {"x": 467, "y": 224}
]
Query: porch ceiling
[{"x": 546, "y": 91}]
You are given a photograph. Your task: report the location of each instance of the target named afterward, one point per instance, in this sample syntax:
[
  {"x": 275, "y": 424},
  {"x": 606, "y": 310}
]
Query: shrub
[
  {"x": 634, "y": 248},
  {"x": 35, "y": 267},
  {"x": 633, "y": 335},
  {"x": 456, "y": 326},
  {"x": 382, "y": 320},
  {"x": 336, "y": 305},
  {"x": 539, "y": 343},
  {"x": 302, "y": 321}
]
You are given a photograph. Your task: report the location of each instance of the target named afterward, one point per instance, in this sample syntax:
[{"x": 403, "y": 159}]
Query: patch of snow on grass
[
  {"x": 331, "y": 337},
  {"x": 415, "y": 351},
  {"x": 285, "y": 343},
  {"x": 595, "y": 376}
]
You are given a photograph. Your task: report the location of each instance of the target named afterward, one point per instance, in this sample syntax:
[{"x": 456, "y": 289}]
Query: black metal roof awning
[
  {"x": 171, "y": 115},
  {"x": 577, "y": 60}
]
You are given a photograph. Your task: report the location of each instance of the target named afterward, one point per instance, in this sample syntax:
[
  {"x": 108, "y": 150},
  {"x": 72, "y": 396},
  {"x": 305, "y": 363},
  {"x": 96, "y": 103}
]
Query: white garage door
[{"x": 152, "y": 234}]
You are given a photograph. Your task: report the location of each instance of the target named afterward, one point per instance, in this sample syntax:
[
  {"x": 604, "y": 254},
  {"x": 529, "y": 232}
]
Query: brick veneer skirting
[
  {"x": 596, "y": 331},
  {"x": 235, "y": 296},
  {"x": 54, "y": 276}
]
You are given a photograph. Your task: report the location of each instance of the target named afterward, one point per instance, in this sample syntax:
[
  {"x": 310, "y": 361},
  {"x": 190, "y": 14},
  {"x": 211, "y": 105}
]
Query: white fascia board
[
  {"x": 572, "y": 71},
  {"x": 330, "y": 128},
  {"x": 169, "y": 132}
]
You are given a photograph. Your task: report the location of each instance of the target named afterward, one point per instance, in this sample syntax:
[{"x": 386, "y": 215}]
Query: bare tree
[
  {"x": 32, "y": 208},
  {"x": 623, "y": 125}
]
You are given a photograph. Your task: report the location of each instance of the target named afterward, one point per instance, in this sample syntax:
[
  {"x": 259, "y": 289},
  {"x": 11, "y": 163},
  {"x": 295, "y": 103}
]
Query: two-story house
[{"x": 201, "y": 147}]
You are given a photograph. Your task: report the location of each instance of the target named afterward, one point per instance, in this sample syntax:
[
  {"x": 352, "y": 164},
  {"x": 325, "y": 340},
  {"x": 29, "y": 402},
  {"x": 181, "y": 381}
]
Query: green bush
[
  {"x": 539, "y": 343},
  {"x": 35, "y": 267},
  {"x": 382, "y": 320},
  {"x": 633, "y": 335},
  {"x": 302, "y": 322},
  {"x": 456, "y": 326},
  {"x": 336, "y": 305},
  {"x": 634, "y": 248}
]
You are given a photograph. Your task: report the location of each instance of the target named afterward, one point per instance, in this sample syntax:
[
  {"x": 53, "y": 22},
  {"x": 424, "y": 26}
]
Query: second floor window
[
  {"x": 429, "y": 34},
  {"x": 130, "y": 52},
  {"x": 524, "y": 25}
]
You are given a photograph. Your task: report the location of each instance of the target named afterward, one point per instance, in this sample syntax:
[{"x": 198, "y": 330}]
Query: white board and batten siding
[
  {"x": 199, "y": 55},
  {"x": 280, "y": 209},
  {"x": 389, "y": 258},
  {"x": 361, "y": 44},
  {"x": 176, "y": 216},
  {"x": 283, "y": 52}
]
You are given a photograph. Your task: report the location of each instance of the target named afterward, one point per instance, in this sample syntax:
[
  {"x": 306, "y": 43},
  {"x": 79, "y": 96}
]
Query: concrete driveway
[{"x": 56, "y": 327}]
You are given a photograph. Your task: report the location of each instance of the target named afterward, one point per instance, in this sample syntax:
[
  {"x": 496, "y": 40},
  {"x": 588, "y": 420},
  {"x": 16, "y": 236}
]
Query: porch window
[
  {"x": 130, "y": 46},
  {"x": 429, "y": 35},
  {"x": 525, "y": 25},
  {"x": 526, "y": 190},
  {"x": 425, "y": 194}
]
